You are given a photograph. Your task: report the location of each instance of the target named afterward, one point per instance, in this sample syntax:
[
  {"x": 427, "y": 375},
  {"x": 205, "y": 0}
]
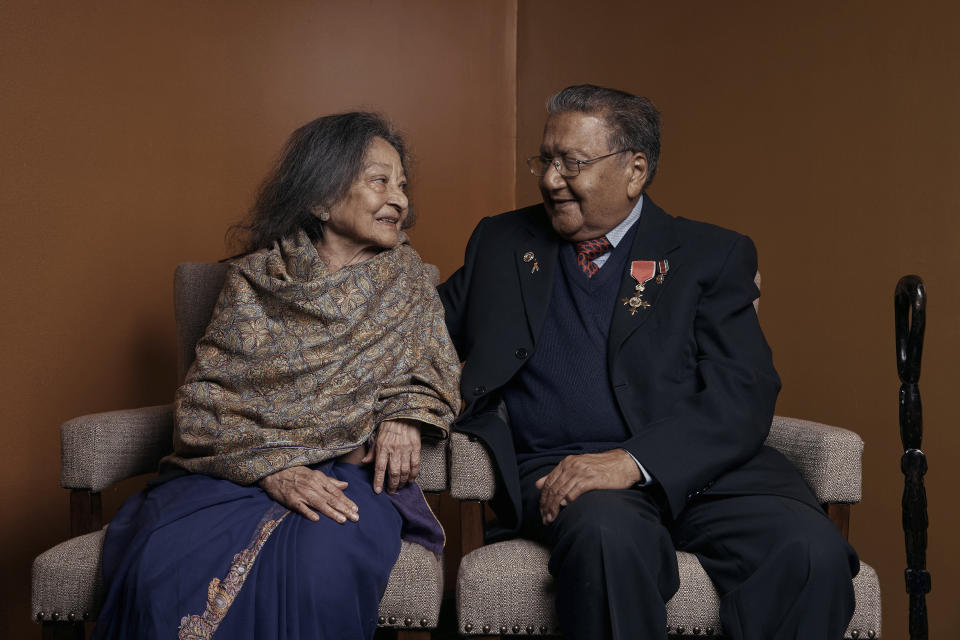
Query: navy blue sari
[{"x": 198, "y": 555}]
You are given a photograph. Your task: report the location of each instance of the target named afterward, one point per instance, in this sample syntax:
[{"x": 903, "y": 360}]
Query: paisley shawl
[{"x": 299, "y": 365}]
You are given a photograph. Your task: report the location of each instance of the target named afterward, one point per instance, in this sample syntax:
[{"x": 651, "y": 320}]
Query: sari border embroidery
[{"x": 222, "y": 593}]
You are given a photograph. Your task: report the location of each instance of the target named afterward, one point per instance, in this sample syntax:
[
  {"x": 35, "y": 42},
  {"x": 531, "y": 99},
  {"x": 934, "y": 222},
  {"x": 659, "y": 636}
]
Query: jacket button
[
  {"x": 479, "y": 390},
  {"x": 521, "y": 353}
]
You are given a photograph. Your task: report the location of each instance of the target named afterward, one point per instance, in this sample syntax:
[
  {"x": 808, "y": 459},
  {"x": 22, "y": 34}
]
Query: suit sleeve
[
  {"x": 455, "y": 291},
  {"x": 726, "y": 420}
]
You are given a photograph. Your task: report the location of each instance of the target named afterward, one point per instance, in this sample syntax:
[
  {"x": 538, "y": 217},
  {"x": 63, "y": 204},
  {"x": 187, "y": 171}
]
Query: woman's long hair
[{"x": 319, "y": 163}]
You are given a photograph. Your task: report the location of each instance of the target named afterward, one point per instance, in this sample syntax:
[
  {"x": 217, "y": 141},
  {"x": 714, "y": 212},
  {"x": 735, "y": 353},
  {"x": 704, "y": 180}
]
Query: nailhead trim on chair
[
  {"x": 530, "y": 629},
  {"x": 507, "y": 583},
  {"x": 56, "y": 616},
  {"x": 418, "y": 575},
  {"x": 397, "y": 621}
]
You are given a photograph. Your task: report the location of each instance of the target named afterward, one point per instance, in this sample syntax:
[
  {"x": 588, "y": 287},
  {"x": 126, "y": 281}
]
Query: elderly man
[{"x": 616, "y": 370}]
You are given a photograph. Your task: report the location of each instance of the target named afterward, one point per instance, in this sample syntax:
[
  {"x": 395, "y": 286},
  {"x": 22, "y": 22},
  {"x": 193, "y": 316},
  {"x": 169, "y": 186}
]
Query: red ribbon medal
[{"x": 642, "y": 271}]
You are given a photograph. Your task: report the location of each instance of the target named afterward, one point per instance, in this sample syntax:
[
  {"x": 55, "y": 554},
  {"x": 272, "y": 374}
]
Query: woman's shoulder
[
  {"x": 248, "y": 259},
  {"x": 410, "y": 262}
]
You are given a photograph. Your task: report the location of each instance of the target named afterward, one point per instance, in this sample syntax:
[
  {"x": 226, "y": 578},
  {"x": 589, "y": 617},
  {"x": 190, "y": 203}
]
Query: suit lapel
[
  {"x": 536, "y": 257},
  {"x": 655, "y": 240}
]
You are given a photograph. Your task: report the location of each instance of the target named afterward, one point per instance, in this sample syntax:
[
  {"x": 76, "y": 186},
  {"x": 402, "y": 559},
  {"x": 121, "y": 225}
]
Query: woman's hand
[
  {"x": 302, "y": 489},
  {"x": 397, "y": 453}
]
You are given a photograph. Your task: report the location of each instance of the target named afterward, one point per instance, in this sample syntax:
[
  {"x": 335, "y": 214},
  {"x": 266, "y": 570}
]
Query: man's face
[{"x": 592, "y": 203}]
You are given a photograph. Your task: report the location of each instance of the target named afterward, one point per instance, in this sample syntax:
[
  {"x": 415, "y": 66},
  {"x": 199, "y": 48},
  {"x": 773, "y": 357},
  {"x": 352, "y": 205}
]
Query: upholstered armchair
[
  {"x": 505, "y": 589},
  {"x": 101, "y": 449}
]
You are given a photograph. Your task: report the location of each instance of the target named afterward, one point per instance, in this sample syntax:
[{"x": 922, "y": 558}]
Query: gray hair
[
  {"x": 633, "y": 120},
  {"x": 319, "y": 163}
]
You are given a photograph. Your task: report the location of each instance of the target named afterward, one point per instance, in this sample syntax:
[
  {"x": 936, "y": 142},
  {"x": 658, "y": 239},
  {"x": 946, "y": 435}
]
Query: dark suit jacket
[{"x": 692, "y": 374}]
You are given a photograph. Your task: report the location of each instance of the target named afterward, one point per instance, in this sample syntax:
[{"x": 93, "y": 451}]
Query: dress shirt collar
[{"x": 616, "y": 234}]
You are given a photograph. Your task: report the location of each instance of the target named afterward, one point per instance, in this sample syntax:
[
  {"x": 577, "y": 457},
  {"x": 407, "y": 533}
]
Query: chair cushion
[
  {"x": 66, "y": 579},
  {"x": 507, "y": 584},
  {"x": 415, "y": 589}
]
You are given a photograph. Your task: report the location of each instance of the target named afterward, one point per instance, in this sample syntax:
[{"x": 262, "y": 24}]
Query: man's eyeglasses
[{"x": 566, "y": 167}]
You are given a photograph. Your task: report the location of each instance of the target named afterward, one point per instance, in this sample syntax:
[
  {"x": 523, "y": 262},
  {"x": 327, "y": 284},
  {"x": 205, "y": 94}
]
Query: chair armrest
[
  {"x": 433, "y": 465},
  {"x": 829, "y": 458},
  {"x": 471, "y": 472},
  {"x": 102, "y": 448}
]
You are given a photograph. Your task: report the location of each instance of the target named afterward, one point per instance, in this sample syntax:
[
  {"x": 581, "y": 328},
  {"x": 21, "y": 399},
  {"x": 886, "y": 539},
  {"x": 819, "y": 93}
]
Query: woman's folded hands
[{"x": 396, "y": 457}]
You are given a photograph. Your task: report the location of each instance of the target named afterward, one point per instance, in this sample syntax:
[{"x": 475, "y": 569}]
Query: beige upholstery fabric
[
  {"x": 66, "y": 579},
  {"x": 433, "y": 465},
  {"x": 828, "y": 457},
  {"x": 507, "y": 585},
  {"x": 102, "y": 448},
  {"x": 196, "y": 286},
  {"x": 756, "y": 301},
  {"x": 471, "y": 472},
  {"x": 696, "y": 603},
  {"x": 415, "y": 589}
]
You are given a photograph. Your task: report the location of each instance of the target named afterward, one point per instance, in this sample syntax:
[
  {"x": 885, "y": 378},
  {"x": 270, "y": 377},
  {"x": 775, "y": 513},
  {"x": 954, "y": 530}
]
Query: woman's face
[{"x": 373, "y": 211}]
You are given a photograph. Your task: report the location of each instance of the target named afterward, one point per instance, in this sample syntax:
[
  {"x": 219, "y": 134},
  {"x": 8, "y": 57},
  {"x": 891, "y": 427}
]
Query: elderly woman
[{"x": 325, "y": 360}]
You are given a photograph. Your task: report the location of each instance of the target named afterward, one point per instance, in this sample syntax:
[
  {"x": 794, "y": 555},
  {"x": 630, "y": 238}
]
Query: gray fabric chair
[
  {"x": 101, "y": 449},
  {"x": 505, "y": 588}
]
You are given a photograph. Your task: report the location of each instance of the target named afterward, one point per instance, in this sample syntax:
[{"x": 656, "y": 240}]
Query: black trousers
[{"x": 781, "y": 567}]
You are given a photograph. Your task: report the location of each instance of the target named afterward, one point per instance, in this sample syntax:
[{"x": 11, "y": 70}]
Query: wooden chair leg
[
  {"x": 86, "y": 512},
  {"x": 63, "y": 631},
  {"x": 412, "y": 635},
  {"x": 471, "y": 526},
  {"x": 840, "y": 514}
]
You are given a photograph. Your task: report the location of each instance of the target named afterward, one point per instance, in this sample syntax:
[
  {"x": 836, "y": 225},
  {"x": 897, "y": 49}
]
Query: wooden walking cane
[{"x": 909, "y": 304}]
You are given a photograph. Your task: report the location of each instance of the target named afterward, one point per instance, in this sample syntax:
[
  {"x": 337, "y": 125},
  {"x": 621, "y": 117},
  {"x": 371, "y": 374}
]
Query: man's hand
[
  {"x": 300, "y": 488},
  {"x": 575, "y": 475},
  {"x": 397, "y": 451}
]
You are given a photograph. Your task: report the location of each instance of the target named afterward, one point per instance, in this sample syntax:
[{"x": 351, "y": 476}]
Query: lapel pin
[
  {"x": 530, "y": 257},
  {"x": 642, "y": 271}
]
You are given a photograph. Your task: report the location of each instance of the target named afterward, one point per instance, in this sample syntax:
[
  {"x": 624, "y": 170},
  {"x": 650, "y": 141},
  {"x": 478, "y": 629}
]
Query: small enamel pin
[
  {"x": 529, "y": 257},
  {"x": 642, "y": 271}
]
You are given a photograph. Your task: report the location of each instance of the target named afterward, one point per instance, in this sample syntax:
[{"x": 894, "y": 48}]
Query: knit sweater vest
[{"x": 561, "y": 401}]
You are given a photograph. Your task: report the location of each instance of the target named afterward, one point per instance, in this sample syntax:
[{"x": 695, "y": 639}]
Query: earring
[{"x": 324, "y": 215}]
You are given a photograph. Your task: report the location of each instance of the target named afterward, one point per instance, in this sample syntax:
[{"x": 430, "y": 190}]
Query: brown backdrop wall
[
  {"x": 133, "y": 134},
  {"x": 829, "y": 134}
]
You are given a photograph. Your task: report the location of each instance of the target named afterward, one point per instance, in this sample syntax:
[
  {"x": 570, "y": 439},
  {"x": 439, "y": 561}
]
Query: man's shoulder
[
  {"x": 706, "y": 232},
  {"x": 697, "y": 236},
  {"x": 524, "y": 217}
]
